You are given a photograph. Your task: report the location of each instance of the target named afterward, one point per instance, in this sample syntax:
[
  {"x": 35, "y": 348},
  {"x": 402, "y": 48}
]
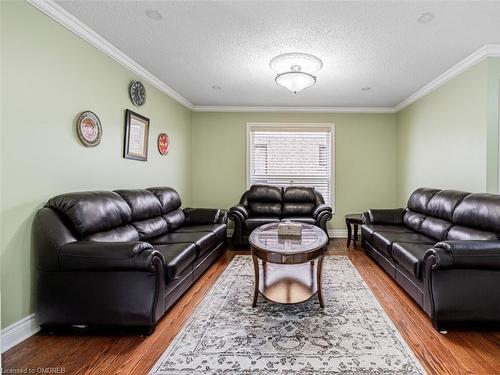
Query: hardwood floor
[{"x": 458, "y": 352}]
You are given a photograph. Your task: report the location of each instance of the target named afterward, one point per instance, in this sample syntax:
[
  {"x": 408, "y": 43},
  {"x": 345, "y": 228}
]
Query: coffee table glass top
[{"x": 266, "y": 238}]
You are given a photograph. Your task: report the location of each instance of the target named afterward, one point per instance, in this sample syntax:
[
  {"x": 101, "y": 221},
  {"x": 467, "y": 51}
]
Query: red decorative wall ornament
[{"x": 163, "y": 143}]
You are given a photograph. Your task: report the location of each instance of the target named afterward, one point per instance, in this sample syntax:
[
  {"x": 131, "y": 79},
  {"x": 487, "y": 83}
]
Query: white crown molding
[
  {"x": 488, "y": 50},
  {"x": 210, "y": 108},
  {"x": 59, "y": 14},
  {"x": 18, "y": 332},
  {"x": 66, "y": 19}
]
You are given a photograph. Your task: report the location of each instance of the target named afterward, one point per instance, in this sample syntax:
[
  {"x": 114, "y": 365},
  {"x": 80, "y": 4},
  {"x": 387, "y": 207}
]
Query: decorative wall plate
[
  {"x": 163, "y": 143},
  {"x": 89, "y": 129},
  {"x": 137, "y": 93}
]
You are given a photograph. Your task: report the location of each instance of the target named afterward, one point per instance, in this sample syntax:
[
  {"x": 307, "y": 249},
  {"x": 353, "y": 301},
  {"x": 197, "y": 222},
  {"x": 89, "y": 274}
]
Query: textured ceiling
[{"x": 197, "y": 45}]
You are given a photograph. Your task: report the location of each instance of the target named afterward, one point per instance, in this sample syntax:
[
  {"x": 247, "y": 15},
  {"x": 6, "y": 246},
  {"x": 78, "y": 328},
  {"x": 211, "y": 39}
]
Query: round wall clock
[
  {"x": 137, "y": 93},
  {"x": 163, "y": 143},
  {"x": 89, "y": 129}
]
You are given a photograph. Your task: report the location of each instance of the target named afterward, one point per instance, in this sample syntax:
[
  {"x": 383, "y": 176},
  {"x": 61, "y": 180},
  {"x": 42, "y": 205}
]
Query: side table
[{"x": 352, "y": 220}]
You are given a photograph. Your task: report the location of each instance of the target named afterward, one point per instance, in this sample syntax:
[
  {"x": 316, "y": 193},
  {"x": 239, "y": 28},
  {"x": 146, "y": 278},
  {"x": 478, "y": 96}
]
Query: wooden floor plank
[{"x": 459, "y": 352}]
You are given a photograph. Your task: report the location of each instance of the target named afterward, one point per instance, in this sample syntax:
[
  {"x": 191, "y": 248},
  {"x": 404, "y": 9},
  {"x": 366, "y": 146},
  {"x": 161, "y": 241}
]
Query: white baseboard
[
  {"x": 337, "y": 233},
  {"x": 18, "y": 332},
  {"x": 332, "y": 233}
]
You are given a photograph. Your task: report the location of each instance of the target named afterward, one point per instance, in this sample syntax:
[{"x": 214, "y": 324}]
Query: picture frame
[{"x": 136, "y": 136}]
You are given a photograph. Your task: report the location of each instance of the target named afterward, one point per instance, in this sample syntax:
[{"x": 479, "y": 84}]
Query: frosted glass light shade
[{"x": 295, "y": 81}]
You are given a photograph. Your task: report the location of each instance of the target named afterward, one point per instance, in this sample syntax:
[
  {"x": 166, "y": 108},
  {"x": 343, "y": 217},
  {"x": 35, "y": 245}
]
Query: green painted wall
[
  {"x": 442, "y": 138},
  {"x": 493, "y": 125},
  {"x": 49, "y": 76},
  {"x": 365, "y": 164}
]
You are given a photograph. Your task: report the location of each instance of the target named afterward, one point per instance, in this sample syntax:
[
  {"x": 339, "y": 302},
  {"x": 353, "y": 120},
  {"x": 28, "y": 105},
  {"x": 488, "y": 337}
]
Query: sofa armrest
[
  {"x": 89, "y": 255},
  {"x": 321, "y": 208},
  {"x": 239, "y": 210},
  {"x": 392, "y": 216},
  {"x": 200, "y": 216},
  {"x": 465, "y": 254},
  {"x": 222, "y": 217},
  {"x": 365, "y": 217}
]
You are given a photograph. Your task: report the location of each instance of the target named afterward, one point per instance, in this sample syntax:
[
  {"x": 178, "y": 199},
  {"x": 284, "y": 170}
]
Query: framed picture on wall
[{"x": 136, "y": 136}]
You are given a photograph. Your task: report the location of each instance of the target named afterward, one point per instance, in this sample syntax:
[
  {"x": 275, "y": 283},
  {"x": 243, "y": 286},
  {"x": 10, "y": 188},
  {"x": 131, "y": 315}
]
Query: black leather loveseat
[
  {"x": 444, "y": 250},
  {"x": 263, "y": 204},
  {"x": 120, "y": 258}
]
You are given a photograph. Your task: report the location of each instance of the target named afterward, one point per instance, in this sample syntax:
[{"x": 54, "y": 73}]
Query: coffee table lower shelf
[{"x": 288, "y": 283}]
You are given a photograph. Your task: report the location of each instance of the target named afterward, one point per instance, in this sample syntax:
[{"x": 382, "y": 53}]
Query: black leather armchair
[
  {"x": 263, "y": 204},
  {"x": 444, "y": 250},
  {"x": 120, "y": 258}
]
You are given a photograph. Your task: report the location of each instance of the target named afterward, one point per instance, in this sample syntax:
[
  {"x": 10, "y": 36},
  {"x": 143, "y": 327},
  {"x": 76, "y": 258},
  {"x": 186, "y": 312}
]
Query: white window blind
[{"x": 284, "y": 156}]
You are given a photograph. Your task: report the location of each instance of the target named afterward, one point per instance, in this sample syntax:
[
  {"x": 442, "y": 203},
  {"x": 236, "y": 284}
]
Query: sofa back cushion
[
  {"x": 264, "y": 193},
  {"x": 444, "y": 202},
  {"x": 149, "y": 228},
  {"x": 297, "y": 209},
  {"x": 174, "y": 219},
  {"x": 264, "y": 209},
  {"x": 454, "y": 215},
  {"x": 146, "y": 212},
  {"x": 298, "y": 201},
  {"x": 413, "y": 220},
  {"x": 123, "y": 233},
  {"x": 459, "y": 233},
  {"x": 479, "y": 211},
  {"x": 264, "y": 200},
  {"x": 91, "y": 212},
  {"x": 171, "y": 203},
  {"x": 170, "y": 199},
  {"x": 435, "y": 228},
  {"x": 420, "y": 198},
  {"x": 143, "y": 203}
]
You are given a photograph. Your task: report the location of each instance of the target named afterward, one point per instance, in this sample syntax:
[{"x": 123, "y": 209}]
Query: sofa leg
[
  {"x": 49, "y": 329},
  {"x": 146, "y": 330},
  {"x": 439, "y": 328}
]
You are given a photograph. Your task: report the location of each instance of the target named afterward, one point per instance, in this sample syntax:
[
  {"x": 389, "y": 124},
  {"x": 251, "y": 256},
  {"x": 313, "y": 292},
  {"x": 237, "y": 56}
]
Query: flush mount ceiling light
[
  {"x": 153, "y": 14},
  {"x": 425, "y": 17},
  {"x": 295, "y": 70}
]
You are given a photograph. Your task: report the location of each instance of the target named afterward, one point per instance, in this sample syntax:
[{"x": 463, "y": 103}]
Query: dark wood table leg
[
  {"x": 349, "y": 234},
  {"x": 318, "y": 282},
  {"x": 356, "y": 233},
  {"x": 256, "y": 270}
]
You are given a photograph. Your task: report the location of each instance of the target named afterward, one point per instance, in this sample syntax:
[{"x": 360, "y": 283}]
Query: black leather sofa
[
  {"x": 120, "y": 258},
  {"x": 444, "y": 250},
  {"x": 263, "y": 204}
]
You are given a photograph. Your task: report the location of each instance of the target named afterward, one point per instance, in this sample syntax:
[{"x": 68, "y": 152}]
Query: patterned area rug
[{"x": 351, "y": 335}]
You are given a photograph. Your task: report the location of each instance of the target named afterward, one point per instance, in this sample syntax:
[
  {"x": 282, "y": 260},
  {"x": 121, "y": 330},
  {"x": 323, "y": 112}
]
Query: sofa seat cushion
[
  {"x": 367, "y": 230},
  {"x": 204, "y": 241},
  {"x": 301, "y": 219},
  {"x": 410, "y": 256},
  {"x": 218, "y": 229},
  {"x": 255, "y": 222},
  {"x": 177, "y": 257},
  {"x": 383, "y": 240}
]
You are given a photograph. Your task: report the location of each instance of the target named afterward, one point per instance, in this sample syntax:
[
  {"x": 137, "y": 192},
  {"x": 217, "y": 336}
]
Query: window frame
[{"x": 296, "y": 125}]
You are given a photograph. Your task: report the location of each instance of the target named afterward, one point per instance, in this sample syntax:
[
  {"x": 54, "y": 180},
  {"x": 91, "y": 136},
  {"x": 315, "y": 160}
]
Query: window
[{"x": 291, "y": 154}]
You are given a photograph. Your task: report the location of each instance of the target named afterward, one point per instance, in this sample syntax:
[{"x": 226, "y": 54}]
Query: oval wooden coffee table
[{"x": 291, "y": 266}]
